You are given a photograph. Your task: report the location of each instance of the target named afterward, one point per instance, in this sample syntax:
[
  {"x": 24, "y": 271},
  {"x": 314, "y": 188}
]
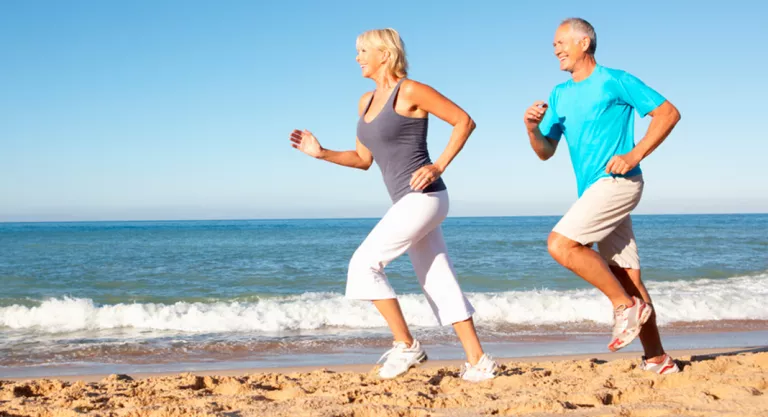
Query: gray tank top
[{"x": 398, "y": 145}]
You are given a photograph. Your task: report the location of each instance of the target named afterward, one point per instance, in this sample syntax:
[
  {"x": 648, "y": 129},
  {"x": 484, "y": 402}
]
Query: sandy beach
[{"x": 724, "y": 382}]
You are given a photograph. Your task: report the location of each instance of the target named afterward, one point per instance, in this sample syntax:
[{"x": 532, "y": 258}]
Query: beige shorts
[{"x": 601, "y": 216}]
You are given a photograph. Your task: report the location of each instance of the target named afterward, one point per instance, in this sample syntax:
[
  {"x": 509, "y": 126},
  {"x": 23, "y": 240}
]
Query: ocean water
[{"x": 153, "y": 295}]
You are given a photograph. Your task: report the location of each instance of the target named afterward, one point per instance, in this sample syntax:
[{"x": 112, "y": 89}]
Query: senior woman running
[{"x": 392, "y": 130}]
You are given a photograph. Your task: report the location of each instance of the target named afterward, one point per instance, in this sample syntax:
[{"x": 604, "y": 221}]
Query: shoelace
[
  {"x": 618, "y": 313},
  {"x": 389, "y": 352},
  {"x": 485, "y": 368}
]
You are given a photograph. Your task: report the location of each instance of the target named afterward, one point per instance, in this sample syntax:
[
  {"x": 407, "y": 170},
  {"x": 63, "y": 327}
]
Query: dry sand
[{"x": 730, "y": 383}]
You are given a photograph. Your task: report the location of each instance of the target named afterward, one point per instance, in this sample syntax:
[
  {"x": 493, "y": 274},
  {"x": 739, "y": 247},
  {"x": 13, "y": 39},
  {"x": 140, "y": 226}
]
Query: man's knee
[{"x": 560, "y": 247}]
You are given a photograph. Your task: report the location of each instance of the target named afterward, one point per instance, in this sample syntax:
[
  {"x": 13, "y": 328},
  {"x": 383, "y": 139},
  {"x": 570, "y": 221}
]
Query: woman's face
[{"x": 371, "y": 60}]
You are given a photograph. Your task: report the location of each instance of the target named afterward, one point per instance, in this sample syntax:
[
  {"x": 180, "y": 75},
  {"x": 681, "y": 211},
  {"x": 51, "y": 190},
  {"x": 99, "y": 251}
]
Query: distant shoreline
[{"x": 278, "y": 219}]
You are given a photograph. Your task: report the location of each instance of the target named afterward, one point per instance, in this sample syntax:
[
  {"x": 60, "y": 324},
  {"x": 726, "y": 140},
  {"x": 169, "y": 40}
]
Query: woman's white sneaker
[
  {"x": 483, "y": 370},
  {"x": 401, "y": 358}
]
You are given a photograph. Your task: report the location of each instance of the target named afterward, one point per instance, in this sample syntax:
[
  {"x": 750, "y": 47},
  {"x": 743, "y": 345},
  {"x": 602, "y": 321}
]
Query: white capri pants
[{"x": 411, "y": 225}]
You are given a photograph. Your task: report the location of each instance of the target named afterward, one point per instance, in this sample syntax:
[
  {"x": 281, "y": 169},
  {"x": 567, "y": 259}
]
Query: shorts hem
[
  {"x": 622, "y": 265},
  {"x": 570, "y": 237},
  {"x": 445, "y": 321},
  {"x": 370, "y": 298}
]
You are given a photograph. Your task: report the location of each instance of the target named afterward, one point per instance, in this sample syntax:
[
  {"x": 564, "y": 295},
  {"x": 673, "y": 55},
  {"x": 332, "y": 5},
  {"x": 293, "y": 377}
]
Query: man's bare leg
[
  {"x": 631, "y": 280},
  {"x": 589, "y": 265}
]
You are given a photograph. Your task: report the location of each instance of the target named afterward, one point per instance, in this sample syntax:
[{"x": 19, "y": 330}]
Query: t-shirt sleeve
[
  {"x": 638, "y": 95},
  {"x": 550, "y": 125}
]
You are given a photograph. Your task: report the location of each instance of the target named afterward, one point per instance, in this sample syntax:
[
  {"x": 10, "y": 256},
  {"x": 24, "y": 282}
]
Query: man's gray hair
[{"x": 583, "y": 28}]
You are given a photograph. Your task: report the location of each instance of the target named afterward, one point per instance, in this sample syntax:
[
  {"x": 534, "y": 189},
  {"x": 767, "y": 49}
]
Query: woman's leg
[
  {"x": 406, "y": 222},
  {"x": 437, "y": 277}
]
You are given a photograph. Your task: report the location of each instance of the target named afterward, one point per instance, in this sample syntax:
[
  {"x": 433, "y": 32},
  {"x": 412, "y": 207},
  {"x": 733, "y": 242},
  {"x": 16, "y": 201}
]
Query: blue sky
[{"x": 182, "y": 109}]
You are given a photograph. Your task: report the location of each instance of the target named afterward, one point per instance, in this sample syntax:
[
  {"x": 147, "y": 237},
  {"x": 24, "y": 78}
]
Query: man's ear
[{"x": 585, "y": 43}]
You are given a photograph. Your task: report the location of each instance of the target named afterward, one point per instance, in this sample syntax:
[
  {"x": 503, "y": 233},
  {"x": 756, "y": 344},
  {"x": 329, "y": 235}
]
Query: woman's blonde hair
[{"x": 386, "y": 40}]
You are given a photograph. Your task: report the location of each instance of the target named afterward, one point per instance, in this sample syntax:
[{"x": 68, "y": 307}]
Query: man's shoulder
[
  {"x": 560, "y": 87},
  {"x": 616, "y": 74}
]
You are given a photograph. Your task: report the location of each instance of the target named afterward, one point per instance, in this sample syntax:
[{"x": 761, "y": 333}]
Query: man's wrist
[{"x": 636, "y": 155}]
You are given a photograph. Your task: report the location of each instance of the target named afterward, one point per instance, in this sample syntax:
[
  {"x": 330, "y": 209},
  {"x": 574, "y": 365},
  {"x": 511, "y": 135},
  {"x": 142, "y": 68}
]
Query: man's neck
[{"x": 584, "y": 69}]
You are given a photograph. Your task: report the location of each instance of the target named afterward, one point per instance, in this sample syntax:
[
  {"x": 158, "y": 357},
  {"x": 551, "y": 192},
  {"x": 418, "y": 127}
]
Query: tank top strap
[
  {"x": 368, "y": 106},
  {"x": 394, "y": 93}
]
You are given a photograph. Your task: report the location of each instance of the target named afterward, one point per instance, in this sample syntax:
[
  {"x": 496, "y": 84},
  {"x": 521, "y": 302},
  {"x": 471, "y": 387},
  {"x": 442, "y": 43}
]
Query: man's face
[{"x": 569, "y": 47}]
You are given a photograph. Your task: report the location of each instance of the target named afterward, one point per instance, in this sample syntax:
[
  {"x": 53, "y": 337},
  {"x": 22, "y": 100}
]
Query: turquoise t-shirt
[{"x": 595, "y": 116}]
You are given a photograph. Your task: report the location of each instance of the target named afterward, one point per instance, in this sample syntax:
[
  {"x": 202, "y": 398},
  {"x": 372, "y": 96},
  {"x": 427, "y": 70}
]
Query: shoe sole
[
  {"x": 617, "y": 344},
  {"x": 423, "y": 358}
]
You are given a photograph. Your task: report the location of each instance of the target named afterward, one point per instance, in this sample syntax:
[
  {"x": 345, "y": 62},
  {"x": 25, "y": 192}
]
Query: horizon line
[{"x": 352, "y": 218}]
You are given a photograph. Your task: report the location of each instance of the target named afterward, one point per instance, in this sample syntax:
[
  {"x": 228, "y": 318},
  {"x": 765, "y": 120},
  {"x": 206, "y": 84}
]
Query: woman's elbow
[
  {"x": 468, "y": 123},
  {"x": 366, "y": 165}
]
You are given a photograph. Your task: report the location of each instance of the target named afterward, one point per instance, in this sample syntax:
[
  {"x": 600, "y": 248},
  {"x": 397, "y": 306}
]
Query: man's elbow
[
  {"x": 672, "y": 113},
  {"x": 675, "y": 115}
]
